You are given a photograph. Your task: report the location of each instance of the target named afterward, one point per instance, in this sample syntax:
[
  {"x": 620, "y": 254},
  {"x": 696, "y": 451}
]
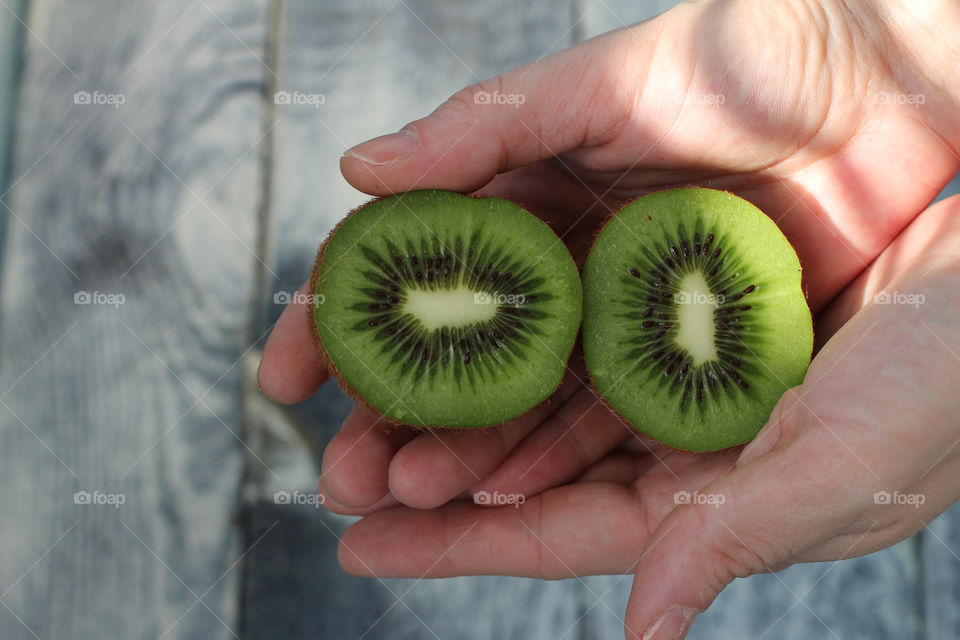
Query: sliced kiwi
[
  {"x": 438, "y": 309},
  {"x": 694, "y": 322}
]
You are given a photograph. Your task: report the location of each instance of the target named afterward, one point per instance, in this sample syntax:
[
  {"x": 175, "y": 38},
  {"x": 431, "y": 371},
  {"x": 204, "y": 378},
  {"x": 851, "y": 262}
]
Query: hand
[{"x": 792, "y": 107}]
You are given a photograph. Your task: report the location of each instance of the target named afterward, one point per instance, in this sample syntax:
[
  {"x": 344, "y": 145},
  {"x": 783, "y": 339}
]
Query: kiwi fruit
[
  {"x": 695, "y": 321},
  {"x": 437, "y": 309}
]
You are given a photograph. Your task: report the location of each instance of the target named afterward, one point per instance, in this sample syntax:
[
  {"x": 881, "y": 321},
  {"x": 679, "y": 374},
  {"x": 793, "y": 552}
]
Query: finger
[
  {"x": 290, "y": 370},
  {"x": 524, "y": 115},
  {"x": 619, "y": 468},
  {"x": 332, "y": 506},
  {"x": 571, "y": 440},
  {"x": 576, "y": 529},
  {"x": 568, "y": 531},
  {"x": 439, "y": 465},
  {"x": 355, "y": 462}
]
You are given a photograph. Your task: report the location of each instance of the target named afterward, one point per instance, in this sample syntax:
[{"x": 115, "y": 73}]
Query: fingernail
[
  {"x": 386, "y": 149},
  {"x": 390, "y": 489},
  {"x": 259, "y": 364},
  {"x": 673, "y": 624}
]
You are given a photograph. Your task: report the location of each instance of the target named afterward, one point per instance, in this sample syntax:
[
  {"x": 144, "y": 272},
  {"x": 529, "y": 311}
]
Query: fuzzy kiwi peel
[
  {"x": 437, "y": 309},
  {"x": 695, "y": 321}
]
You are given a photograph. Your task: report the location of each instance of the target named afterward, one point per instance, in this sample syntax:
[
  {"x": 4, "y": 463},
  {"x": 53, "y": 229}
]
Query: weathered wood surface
[
  {"x": 154, "y": 200},
  {"x": 173, "y": 199},
  {"x": 11, "y": 33}
]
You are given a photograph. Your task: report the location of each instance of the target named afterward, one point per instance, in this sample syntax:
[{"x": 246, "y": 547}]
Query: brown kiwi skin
[
  {"x": 593, "y": 386},
  {"x": 327, "y": 363}
]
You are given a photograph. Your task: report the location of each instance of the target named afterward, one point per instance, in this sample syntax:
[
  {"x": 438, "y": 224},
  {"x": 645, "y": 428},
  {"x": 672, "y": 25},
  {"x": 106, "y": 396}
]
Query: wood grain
[
  {"x": 153, "y": 200},
  {"x": 11, "y": 41}
]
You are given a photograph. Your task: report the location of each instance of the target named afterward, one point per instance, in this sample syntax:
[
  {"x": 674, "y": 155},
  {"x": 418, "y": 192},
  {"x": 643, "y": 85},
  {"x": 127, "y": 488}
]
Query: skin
[{"x": 804, "y": 109}]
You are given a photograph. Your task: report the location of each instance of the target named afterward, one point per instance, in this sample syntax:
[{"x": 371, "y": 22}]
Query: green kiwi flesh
[
  {"x": 695, "y": 322},
  {"x": 443, "y": 310}
]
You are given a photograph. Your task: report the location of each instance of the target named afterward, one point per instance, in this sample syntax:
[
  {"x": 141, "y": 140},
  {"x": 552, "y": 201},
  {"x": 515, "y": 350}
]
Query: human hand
[{"x": 629, "y": 112}]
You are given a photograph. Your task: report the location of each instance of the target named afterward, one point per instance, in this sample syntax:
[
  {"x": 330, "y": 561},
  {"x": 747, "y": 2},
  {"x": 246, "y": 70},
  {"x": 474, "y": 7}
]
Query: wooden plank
[
  {"x": 11, "y": 32},
  {"x": 377, "y": 64},
  {"x": 295, "y": 589},
  {"x": 144, "y": 186}
]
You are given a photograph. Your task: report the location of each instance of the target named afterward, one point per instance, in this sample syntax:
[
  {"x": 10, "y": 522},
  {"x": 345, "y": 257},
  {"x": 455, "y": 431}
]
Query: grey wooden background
[{"x": 198, "y": 199}]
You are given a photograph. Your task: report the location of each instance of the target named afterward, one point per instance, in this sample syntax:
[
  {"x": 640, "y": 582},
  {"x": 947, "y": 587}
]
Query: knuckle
[
  {"x": 738, "y": 553},
  {"x": 465, "y": 101}
]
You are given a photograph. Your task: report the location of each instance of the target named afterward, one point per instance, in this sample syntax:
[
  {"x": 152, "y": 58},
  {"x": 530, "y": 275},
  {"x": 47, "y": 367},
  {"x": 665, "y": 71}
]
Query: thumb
[
  {"x": 750, "y": 521},
  {"x": 533, "y": 112},
  {"x": 689, "y": 560}
]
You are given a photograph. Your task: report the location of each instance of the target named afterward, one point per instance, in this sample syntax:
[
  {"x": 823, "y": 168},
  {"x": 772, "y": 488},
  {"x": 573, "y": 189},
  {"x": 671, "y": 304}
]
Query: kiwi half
[
  {"x": 695, "y": 322},
  {"x": 442, "y": 310}
]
